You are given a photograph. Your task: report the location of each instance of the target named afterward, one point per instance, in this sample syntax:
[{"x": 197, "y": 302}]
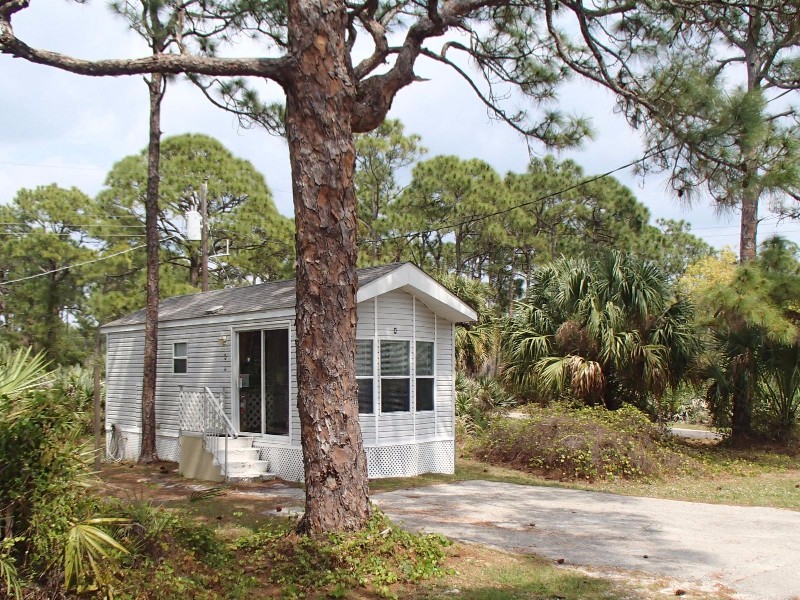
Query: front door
[{"x": 264, "y": 381}]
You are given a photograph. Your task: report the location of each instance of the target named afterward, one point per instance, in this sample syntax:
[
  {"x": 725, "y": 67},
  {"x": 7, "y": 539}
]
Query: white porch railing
[{"x": 202, "y": 412}]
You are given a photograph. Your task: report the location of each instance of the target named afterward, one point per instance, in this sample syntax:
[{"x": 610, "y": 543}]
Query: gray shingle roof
[{"x": 273, "y": 295}]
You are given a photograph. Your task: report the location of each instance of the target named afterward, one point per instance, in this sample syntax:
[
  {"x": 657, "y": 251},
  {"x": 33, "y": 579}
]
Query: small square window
[{"x": 180, "y": 357}]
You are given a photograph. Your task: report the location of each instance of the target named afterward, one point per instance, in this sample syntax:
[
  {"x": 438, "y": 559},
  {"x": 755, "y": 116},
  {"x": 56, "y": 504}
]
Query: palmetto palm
[
  {"x": 605, "y": 331},
  {"x": 20, "y": 371},
  {"x": 755, "y": 330},
  {"x": 477, "y": 344}
]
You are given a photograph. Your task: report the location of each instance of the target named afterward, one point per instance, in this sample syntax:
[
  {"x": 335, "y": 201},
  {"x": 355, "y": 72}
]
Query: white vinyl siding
[
  {"x": 124, "y": 368},
  {"x": 209, "y": 356}
]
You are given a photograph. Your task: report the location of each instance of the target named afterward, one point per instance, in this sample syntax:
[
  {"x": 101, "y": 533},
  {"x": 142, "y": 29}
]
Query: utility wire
[
  {"x": 74, "y": 168},
  {"x": 88, "y": 262},
  {"x": 79, "y": 225},
  {"x": 502, "y": 211},
  {"x": 33, "y": 233}
]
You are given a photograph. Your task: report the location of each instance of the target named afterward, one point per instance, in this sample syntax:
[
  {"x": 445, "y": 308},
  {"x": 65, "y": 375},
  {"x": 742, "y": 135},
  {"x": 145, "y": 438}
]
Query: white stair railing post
[{"x": 216, "y": 424}]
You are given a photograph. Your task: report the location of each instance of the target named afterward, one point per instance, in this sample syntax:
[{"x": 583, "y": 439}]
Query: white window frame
[
  {"x": 370, "y": 378},
  {"x": 431, "y": 377},
  {"x": 184, "y": 358},
  {"x": 407, "y": 377}
]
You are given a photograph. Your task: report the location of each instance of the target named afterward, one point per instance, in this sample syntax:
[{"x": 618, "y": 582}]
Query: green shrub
[
  {"x": 47, "y": 523},
  {"x": 476, "y": 399},
  {"x": 44, "y": 474},
  {"x": 75, "y": 384},
  {"x": 586, "y": 443},
  {"x": 375, "y": 558},
  {"x": 174, "y": 557}
]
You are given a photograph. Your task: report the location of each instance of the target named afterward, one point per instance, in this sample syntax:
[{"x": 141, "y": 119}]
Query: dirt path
[{"x": 754, "y": 552}]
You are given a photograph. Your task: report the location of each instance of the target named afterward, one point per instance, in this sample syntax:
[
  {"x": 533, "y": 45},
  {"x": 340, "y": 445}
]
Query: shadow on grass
[{"x": 485, "y": 574}]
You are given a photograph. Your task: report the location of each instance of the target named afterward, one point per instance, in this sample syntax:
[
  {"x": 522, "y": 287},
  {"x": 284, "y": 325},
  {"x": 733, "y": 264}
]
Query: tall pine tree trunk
[
  {"x": 749, "y": 222},
  {"x": 148, "y": 451},
  {"x": 320, "y": 99},
  {"x": 749, "y": 226}
]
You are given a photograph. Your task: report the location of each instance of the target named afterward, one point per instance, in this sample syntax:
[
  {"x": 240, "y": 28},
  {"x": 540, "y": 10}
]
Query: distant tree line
[{"x": 445, "y": 214}]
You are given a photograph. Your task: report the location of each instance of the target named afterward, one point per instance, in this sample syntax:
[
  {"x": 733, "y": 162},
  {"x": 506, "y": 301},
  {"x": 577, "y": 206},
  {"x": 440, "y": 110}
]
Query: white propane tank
[{"x": 193, "y": 226}]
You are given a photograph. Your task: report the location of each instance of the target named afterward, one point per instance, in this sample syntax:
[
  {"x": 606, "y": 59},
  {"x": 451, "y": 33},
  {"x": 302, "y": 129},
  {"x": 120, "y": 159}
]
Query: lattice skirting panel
[
  {"x": 286, "y": 463},
  {"x": 126, "y": 445},
  {"x": 407, "y": 460},
  {"x": 404, "y": 460},
  {"x": 168, "y": 447}
]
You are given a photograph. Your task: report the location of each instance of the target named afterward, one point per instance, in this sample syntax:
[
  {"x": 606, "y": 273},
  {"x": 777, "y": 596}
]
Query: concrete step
[
  {"x": 240, "y": 442},
  {"x": 236, "y": 455},
  {"x": 250, "y": 477},
  {"x": 248, "y": 470},
  {"x": 233, "y": 443}
]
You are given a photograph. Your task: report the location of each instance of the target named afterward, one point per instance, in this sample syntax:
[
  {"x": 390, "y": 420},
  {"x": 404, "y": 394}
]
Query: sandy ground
[{"x": 752, "y": 552}]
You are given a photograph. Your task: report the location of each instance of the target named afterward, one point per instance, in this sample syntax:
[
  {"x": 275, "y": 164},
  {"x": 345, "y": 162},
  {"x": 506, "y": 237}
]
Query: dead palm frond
[{"x": 207, "y": 493}]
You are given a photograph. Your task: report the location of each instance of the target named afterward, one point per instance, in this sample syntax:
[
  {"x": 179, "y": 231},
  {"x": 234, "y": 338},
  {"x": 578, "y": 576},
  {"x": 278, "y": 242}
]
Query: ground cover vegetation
[
  {"x": 65, "y": 535},
  {"x": 600, "y": 342}
]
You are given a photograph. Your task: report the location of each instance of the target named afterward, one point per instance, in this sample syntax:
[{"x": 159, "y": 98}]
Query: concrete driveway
[{"x": 754, "y": 552}]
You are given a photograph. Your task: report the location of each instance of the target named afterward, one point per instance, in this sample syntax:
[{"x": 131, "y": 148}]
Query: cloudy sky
[{"x": 64, "y": 128}]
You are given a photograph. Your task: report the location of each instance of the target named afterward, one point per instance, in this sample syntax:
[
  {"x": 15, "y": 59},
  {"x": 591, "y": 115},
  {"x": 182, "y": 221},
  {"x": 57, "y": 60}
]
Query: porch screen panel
[
  {"x": 250, "y": 381},
  {"x": 276, "y": 374}
]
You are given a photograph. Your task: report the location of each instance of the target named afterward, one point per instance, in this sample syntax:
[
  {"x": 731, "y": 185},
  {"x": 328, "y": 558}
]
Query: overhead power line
[
  {"x": 79, "y": 225},
  {"x": 107, "y": 235},
  {"x": 88, "y": 262},
  {"x": 508, "y": 209},
  {"x": 71, "y": 167}
]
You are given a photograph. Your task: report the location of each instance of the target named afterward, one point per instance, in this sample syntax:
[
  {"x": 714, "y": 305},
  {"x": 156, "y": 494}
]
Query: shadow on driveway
[{"x": 753, "y": 551}]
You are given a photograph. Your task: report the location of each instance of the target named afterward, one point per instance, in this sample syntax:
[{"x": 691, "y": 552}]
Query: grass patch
[
  {"x": 720, "y": 474},
  {"x": 479, "y": 573}
]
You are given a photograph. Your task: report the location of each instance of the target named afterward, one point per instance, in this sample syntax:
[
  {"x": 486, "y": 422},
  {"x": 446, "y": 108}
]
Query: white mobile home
[{"x": 226, "y": 386}]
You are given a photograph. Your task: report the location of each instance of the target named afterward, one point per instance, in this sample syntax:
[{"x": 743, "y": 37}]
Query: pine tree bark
[
  {"x": 749, "y": 222},
  {"x": 148, "y": 451},
  {"x": 320, "y": 100}
]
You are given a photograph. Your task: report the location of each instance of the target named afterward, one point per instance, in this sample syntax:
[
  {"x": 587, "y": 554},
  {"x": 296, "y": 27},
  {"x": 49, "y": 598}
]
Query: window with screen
[
  {"x": 395, "y": 376},
  {"x": 424, "y": 376},
  {"x": 365, "y": 376}
]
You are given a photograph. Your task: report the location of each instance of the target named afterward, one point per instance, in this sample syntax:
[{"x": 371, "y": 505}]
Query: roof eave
[{"x": 415, "y": 281}]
